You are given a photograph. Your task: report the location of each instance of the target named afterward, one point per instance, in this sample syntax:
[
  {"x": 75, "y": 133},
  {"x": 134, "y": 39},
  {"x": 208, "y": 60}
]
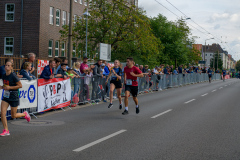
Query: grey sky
[{"x": 219, "y": 17}]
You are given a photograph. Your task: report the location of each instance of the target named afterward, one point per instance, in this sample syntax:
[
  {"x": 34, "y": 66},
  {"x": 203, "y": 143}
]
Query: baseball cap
[
  {"x": 103, "y": 64},
  {"x": 69, "y": 68}
]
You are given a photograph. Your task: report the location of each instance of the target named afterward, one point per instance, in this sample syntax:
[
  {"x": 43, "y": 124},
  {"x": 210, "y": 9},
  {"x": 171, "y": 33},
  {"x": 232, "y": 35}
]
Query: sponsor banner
[
  {"x": 27, "y": 94},
  {"x": 53, "y": 93},
  {"x": 41, "y": 65}
]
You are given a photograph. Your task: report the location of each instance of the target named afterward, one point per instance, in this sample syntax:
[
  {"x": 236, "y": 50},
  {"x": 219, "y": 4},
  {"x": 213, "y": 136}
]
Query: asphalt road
[{"x": 195, "y": 122}]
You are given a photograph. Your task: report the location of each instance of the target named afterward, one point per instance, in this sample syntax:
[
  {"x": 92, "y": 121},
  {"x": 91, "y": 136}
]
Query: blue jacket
[
  {"x": 27, "y": 75},
  {"x": 165, "y": 71},
  {"x": 46, "y": 73},
  {"x": 2, "y": 71},
  {"x": 106, "y": 71}
]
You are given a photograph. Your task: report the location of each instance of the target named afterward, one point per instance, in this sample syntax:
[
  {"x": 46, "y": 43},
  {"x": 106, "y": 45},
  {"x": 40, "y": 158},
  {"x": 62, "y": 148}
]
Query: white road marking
[
  {"x": 162, "y": 113},
  {"x": 190, "y": 101},
  {"x": 214, "y": 90},
  {"x": 99, "y": 141},
  {"x": 220, "y": 87},
  {"x": 204, "y": 94}
]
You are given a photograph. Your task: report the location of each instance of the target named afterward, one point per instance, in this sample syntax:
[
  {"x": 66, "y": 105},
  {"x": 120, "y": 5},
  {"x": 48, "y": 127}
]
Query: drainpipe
[{"x": 21, "y": 30}]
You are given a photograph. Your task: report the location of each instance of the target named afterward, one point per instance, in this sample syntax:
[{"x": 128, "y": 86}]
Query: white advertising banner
[
  {"x": 105, "y": 52},
  {"x": 53, "y": 93},
  {"x": 27, "y": 94}
]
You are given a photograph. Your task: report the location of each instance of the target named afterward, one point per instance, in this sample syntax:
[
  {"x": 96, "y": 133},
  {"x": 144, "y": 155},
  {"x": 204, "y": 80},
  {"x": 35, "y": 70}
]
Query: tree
[
  {"x": 216, "y": 62},
  {"x": 238, "y": 65},
  {"x": 125, "y": 27}
]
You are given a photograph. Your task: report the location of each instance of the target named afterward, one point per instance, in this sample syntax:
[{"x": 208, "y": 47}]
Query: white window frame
[
  {"x": 75, "y": 0},
  {"x": 81, "y": 1},
  {"x": 5, "y": 46},
  {"x": 56, "y": 48},
  {"x": 58, "y": 17},
  {"x": 64, "y": 18},
  {"x": 63, "y": 49},
  {"x": 74, "y": 20},
  {"x": 74, "y": 51},
  {"x": 68, "y": 18},
  {"x": 50, "y": 48},
  {"x": 85, "y": 2},
  {"x": 51, "y": 16},
  {"x": 9, "y": 12}
]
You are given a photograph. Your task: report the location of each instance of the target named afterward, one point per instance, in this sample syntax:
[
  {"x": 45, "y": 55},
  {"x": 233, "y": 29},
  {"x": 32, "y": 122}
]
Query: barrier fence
[{"x": 41, "y": 95}]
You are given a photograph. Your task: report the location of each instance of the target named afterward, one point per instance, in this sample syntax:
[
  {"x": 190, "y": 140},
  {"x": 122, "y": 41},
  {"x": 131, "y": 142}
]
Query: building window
[
  {"x": 50, "y": 47},
  {"x": 64, "y": 18},
  {"x": 85, "y": 2},
  {"x": 51, "y": 15},
  {"x": 75, "y": 20},
  {"x": 56, "y": 48},
  {"x": 206, "y": 55},
  {"x": 68, "y": 17},
  {"x": 74, "y": 50},
  {"x": 80, "y": 1},
  {"x": 57, "y": 17},
  {"x": 75, "y": 0},
  {"x": 63, "y": 49},
  {"x": 9, "y": 12},
  {"x": 8, "y": 45},
  {"x": 210, "y": 54}
]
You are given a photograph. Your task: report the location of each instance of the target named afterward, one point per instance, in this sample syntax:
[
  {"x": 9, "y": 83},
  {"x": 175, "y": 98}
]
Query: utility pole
[{"x": 70, "y": 35}]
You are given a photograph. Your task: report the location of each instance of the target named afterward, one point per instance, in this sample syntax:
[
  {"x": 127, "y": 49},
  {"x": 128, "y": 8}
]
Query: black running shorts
[
  {"x": 117, "y": 84},
  {"x": 12, "y": 103},
  {"x": 132, "y": 89}
]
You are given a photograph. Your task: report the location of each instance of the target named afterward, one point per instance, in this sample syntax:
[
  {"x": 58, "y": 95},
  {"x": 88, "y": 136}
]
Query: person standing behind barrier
[
  {"x": 31, "y": 59},
  {"x": 76, "y": 80},
  {"x": 210, "y": 72},
  {"x": 11, "y": 84},
  {"x": 48, "y": 71},
  {"x": 25, "y": 72},
  {"x": 131, "y": 85},
  {"x": 84, "y": 65},
  {"x": 58, "y": 64},
  {"x": 96, "y": 79},
  {"x": 62, "y": 71},
  {"x": 115, "y": 82}
]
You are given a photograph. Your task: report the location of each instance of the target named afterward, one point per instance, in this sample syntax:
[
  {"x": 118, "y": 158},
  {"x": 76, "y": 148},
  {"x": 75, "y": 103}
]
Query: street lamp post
[
  {"x": 87, "y": 15},
  {"x": 205, "y": 50},
  {"x": 70, "y": 35}
]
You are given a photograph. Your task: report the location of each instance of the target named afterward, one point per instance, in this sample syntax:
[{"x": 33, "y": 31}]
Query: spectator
[
  {"x": 25, "y": 72},
  {"x": 102, "y": 68},
  {"x": 58, "y": 64},
  {"x": 204, "y": 70},
  {"x": 31, "y": 59},
  {"x": 62, "y": 71},
  {"x": 175, "y": 72},
  {"x": 84, "y": 65},
  {"x": 48, "y": 72},
  {"x": 155, "y": 69},
  {"x": 71, "y": 75},
  {"x": 65, "y": 61},
  {"x": 180, "y": 69},
  {"x": 144, "y": 70},
  {"x": 106, "y": 69},
  {"x": 2, "y": 68},
  {"x": 77, "y": 80},
  {"x": 137, "y": 65},
  {"x": 165, "y": 71},
  {"x": 97, "y": 74},
  {"x": 171, "y": 69},
  {"x": 141, "y": 67}
]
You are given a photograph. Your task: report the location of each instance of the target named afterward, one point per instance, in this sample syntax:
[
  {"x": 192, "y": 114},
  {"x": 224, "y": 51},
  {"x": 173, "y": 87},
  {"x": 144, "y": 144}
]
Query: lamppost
[
  {"x": 205, "y": 50},
  {"x": 87, "y": 15}
]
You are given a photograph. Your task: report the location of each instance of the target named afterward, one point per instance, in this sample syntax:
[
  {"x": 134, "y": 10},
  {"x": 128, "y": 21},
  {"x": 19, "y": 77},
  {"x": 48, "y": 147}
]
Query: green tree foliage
[
  {"x": 175, "y": 40},
  {"x": 238, "y": 65},
  {"x": 124, "y": 26},
  {"x": 216, "y": 60}
]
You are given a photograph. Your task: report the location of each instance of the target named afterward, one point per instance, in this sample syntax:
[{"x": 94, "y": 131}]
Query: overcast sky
[{"x": 219, "y": 17}]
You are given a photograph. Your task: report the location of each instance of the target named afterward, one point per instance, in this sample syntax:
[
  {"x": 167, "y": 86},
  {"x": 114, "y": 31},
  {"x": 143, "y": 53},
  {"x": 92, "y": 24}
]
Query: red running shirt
[{"x": 135, "y": 70}]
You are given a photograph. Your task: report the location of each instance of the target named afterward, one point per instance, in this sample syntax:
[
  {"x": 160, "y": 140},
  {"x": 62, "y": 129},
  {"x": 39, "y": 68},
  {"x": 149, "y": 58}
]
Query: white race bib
[
  {"x": 6, "y": 94},
  {"x": 129, "y": 82}
]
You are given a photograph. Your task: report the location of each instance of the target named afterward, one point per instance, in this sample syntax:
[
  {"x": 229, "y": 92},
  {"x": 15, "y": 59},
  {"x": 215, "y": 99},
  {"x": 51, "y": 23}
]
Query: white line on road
[
  {"x": 190, "y": 101},
  {"x": 214, "y": 90},
  {"x": 162, "y": 113},
  {"x": 99, "y": 141},
  {"x": 204, "y": 94},
  {"x": 220, "y": 87}
]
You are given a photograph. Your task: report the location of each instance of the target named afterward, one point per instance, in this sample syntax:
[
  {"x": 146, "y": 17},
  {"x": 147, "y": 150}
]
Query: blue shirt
[
  {"x": 224, "y": 72},
  {"x": 106, "y": 71},
  {"x": 165, "y": 71},
  {"x": 118, "y": 72},
  {"x": 196, "y": 70},
  {"x": 46, "y": 73},
  {"x": 210, "y": 72},
  {"x": 175, "y": 72}
]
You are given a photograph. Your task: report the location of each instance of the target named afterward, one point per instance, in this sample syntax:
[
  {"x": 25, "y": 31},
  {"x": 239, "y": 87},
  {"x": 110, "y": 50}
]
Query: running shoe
[
  {"x": 27, "y": 116},
  {"x": 137, "y": 110},
  {"x": 110, "y": 105},
  {"x": 5, "y": 133},
  {"x": 120, "y": 106},
  {"x": 125, "y": 112}
]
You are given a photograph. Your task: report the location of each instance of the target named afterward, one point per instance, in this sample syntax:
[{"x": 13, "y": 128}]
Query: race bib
[
  {"x": 6, "y": 94},
  {"x": 129, "y": 82}
]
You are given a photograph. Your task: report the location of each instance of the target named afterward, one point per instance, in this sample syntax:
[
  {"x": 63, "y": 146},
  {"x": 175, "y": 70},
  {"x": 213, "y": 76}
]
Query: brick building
[{"x": 34, "y": 25}]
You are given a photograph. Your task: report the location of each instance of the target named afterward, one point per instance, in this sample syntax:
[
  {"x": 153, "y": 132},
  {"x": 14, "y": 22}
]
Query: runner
[
  {"x": 210, "y": 74},
  {"x": 224, "y": 74},
  {"x": 131, "y": 85},
  {"x": 11, "y": 84},
  {"x": 115, "y": 74}
]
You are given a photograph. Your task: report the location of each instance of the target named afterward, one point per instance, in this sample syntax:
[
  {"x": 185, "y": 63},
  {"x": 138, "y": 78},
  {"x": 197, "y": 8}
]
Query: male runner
[
  {"x": 210, "y": 74},
  {"x": 131, "y": 85},
  {"x": 224, "y": 74}
]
